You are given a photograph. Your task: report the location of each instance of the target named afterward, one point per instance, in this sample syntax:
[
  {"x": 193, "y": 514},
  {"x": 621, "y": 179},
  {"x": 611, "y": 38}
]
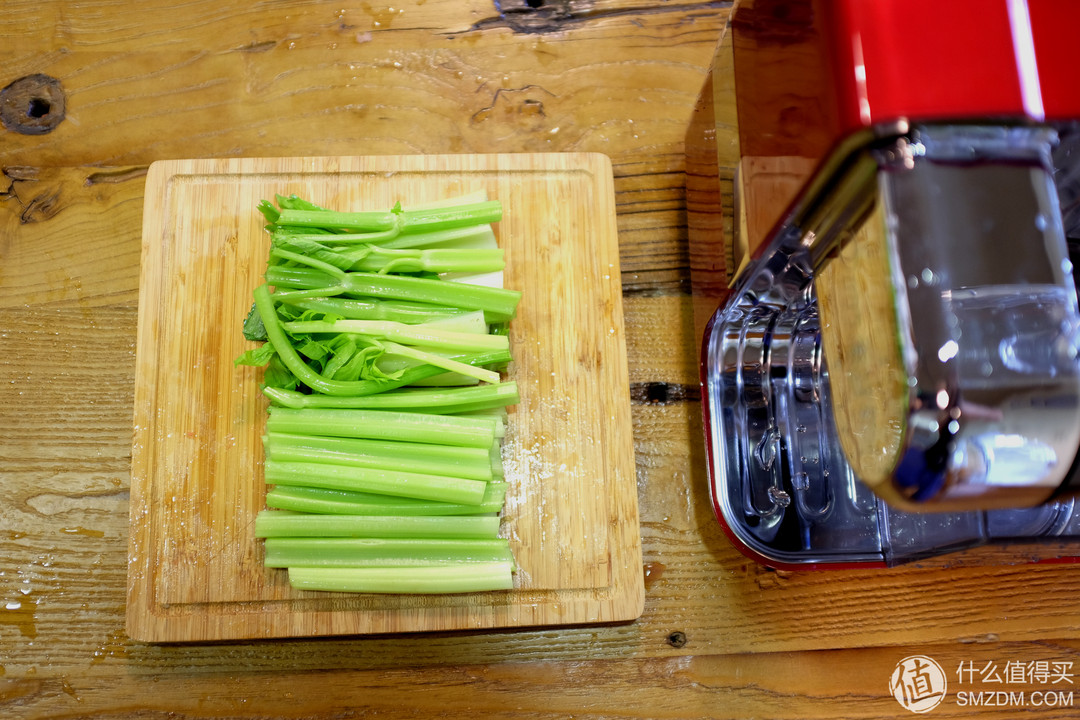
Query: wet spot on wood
[
  {"x": 662, "y": 393},
  {"x": 33, "y": 105}
]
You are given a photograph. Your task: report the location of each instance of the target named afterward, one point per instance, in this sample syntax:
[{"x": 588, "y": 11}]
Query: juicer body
[{"x": 893, "y": 373}]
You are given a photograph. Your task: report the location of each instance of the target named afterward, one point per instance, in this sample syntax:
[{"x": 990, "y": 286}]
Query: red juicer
[{"x": 893, "y": 371}]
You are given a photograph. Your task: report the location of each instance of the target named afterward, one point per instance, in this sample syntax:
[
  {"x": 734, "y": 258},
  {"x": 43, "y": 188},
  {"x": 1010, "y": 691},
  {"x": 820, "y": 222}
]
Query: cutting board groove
[{"x": 195, "y": 570}]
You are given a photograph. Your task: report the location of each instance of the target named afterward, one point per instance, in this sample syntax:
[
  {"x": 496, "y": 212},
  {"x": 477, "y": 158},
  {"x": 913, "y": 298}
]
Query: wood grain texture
[
  {"x": 719, "y": 637},
  {"x": 571, "y": 509},
  {"x": 787, "y": 686}
]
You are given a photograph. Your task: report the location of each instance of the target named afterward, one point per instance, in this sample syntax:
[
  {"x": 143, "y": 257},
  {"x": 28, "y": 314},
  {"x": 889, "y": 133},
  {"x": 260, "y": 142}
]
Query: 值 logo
[{"x": 918, "y": 683}]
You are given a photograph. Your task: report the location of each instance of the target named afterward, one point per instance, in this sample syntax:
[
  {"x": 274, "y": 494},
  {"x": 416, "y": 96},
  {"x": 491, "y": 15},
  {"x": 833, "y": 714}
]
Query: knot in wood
[
  {"x": 32, "y": 105},
  {"x": 677, "y": 639},
  {"x": 539, "y": 16}
]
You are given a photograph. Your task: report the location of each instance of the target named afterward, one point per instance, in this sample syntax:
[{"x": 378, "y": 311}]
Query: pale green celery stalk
[
  {"x": 469, "y": 237},
  {"x": 438, "y": 401},
  {"x": 477, "y": 236},
  {"x": 382, "y": 552},
  {"x": 497, "y": 468},
  {"x": 312, "y": 262},
  {"x": 423, "y": 335},
  {"x": 341, "y": 502},
  {"x": 372, "y": 221},
  {"x": 406, "y": 221},
  {"x": 466, "y": 462},
  {"x": 292, "y": 360},
  {"x": 432, "y": 260},
  {"x": 451, "y": 216},
  {"x": 497, "y": 415},
  {"x": 384, "y": 425},
  {"x": 300, "y": 278},
  {"x": 448, "y": 364},
  {"x": 384, "y": 482},
  {"x": 446, "y": 380},
  {"x": 345, "y": 239},
  {"x": 394, "y": 310},
  {"x": 467, "y": 322},
  {"x": 283, "y": 523},
  {"x": 473, "y": 577},
  {"x": 498, "y": 304}
]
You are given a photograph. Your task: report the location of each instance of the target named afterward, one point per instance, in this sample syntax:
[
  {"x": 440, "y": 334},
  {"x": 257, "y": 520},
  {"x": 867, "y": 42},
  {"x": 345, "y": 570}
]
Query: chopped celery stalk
[
  {"x": 371, "y": 221},
  {"x": 282, "y": 523},
  {"x": 497, "y": 303},
  {"x": 311, "y": 250},
  {"x": 474, "y": 236},
  {"x": 385, "y": 552},
  {"x": 475, "y": 577},
  {"x": 432, "y": 260},
  {"x": 371, "y": 309},
  {"x": 441, "y": 488},
  {"x": 446, "y": 400},
  {"x": 450, "y": 216},
  {"x": 384, "y": 425},
  {"x": 340, "y": 502},
  {"x": 292, "y": 360},
  {"x": 433, "y": 337},
  {"x": 448, "y": 364},
  {"x": 381, "y": 552},
  {"x": 477, "y": 236},
  {"x": 409, "y": 221},
  {"x": 497, "y": 469},
  {"x": 374, "y": 485},
  {"x": 431, "y": 459},
  {"x": 468, "y": 322},
  {"x": 445, "y": 380}
]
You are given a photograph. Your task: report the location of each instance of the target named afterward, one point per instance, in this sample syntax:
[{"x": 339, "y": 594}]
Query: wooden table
[{"x": 720, "y": 637}]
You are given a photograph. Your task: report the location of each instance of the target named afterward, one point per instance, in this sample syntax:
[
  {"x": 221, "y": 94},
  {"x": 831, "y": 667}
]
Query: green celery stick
[
  {"x": 468, "y": 322},
  {"x": 433, "y": 337},
  {"x": 341, "y": 502},
  {"x": 475, "y": 577},
  {"x": 408, "y": 221},
  {"x": 499, "y": 304},
  {"x": 434, "y": 359},
  {"x": 292, "y": 360},
  {"x": 432, "y": 260},
  {"x": 283, "y": 523},
  {"x": 450, "y": 216},
  {"x": 384, "y": 425},
  {"x": 441, "y": 488},
  {"x": 371, "y": 221},
  {"x": 471, "y": 236},
  {"x": 381, "y": 552},
  {"x": 372, "y": 309},
  {"x": 428, "y": 458},
  {"x": 444, "y": 400}
]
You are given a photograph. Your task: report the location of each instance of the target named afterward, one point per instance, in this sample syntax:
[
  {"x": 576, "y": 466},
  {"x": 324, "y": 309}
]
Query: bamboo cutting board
[{"x": 195, "y": 569}]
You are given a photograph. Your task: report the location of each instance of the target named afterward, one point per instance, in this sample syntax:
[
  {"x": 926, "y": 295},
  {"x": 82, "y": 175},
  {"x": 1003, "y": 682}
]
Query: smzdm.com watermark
[{"x": 919, "y": 683}]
